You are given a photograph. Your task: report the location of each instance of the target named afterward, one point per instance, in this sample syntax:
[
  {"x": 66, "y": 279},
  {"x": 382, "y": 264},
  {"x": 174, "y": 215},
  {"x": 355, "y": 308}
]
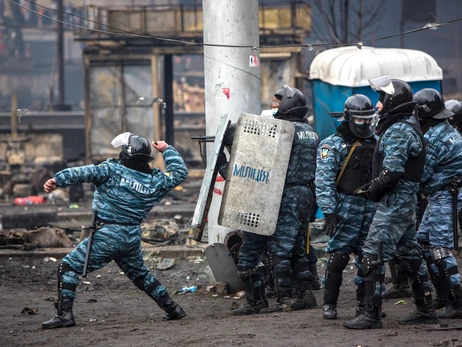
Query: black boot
[
  {"x": 332, "y": 283},
  {"x": 454, "y": 308},
  {"x": 64, "y": 317},
  {"x": 173, "y": 311},
  {"x": 329, "y": 309},
  {"x": 441, "y": 298},
  {"x": 421, "y": 295},
  {"x": 370, "y": 315},
  {"x": 254, "y": 294},
  {"x": 424, "y": 314},
  {"x": 370, "y": 318},
  {"x": 305, "y": 298},
  {"x": 401, "y": 287},
  {"x": 316, "y": 284},
  {"x": 283, "y": 302},
  {"x": 359, "y": 300}
]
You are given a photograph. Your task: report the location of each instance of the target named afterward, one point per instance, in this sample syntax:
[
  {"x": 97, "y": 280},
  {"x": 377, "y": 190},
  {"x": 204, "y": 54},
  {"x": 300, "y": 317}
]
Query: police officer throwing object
[
  {"x": 344, "y": 164},
  {"x": 443, "y": 168},
  {"x": 126, "y": 190},
  {"x": 286, "y": 246},
  {"x": 398, "y": 164}
]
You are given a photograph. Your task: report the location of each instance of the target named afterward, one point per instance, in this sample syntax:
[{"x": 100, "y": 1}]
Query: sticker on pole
[
  {"x": 256, "y": 174},
  {"x": 253, "y": 60}
]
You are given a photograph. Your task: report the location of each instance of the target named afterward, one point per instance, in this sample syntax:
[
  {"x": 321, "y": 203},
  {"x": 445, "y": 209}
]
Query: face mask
[{"x": 274, "y": 110}]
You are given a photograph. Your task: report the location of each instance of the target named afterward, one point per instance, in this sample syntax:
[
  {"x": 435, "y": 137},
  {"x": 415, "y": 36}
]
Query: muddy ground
[{"x": 111, "y": 311}]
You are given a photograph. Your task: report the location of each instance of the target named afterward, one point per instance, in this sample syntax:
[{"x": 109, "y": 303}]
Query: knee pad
[
  {"x": 338, "y": 262},
  {"x": 372, "y": 272},
  {"x": 411, "y": 267},
  {"x": 439, "y": 253}
]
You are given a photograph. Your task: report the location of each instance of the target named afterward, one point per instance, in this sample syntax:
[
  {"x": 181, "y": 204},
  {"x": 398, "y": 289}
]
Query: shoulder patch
[{"x": 325, "y": 149}]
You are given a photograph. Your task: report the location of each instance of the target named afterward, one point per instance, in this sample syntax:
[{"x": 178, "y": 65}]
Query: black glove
[
  {"x": 221, "y": 160},
  {"x": 330, "y": 224},
  {"x": 375, "y": 192},
  {"x": 383, "y": 184},
  {"x": 362, "y": 191},
  {"x": 222, "y": 164}
]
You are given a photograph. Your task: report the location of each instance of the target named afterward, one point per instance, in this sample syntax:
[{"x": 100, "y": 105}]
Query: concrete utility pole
[
  {"x": 60, "y": 53},
  {"x": 232, "y": 76}
]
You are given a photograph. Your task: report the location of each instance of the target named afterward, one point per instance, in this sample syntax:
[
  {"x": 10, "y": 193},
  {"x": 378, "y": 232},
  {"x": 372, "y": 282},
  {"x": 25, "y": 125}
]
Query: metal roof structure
[{"x": 353, "y": 67}]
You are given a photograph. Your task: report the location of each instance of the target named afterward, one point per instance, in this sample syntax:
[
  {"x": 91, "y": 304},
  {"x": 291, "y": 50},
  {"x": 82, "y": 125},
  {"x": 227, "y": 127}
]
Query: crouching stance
[{"x": 126, "y": 190}]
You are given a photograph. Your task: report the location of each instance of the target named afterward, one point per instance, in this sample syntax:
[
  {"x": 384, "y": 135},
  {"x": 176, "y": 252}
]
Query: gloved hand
[
  {"x": 375, "y": 191},
  {"x": 222, "y": 164},
  {"x": 362, "y": 191},
  {"x": 330, "y": 224},
  {"x": 221, "y": 160}
]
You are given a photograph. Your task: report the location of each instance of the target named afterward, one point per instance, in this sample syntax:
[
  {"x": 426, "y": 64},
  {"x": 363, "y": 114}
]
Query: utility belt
[{"x": 100, "y": 220}]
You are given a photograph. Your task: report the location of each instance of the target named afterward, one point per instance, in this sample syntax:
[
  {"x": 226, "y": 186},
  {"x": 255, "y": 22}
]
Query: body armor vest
[
  {"x": 413, "y": 169},
  {"x": 359, "y": 169}
]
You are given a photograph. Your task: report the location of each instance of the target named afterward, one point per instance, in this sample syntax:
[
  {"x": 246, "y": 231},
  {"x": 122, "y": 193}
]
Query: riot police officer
[
  {"x": 397, "y": 169},
  {"x": 126, "y": 190},
  {"x": 456, "y": 119},
  {"x": 286, "y": 246},
  {"x": 436, "y": 233},
  {"x": 344, "y": 163}
]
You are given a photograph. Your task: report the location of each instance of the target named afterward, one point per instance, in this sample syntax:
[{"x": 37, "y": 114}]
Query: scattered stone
[
  {"x": 159, "y": 231},
  {"x": 221, "y": 288},
  {"x": 240, "y": 294},
  {"x": 29, "y": 311},
  {"x": 165, "y": 264}
]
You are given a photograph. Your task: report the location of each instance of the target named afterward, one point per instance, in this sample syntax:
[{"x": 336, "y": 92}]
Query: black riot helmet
[
  {"x": 292, "y": 104},
  {"x": 430, "y": 104},
  {"x": 395, "y": 95},
  {"x": 360, "y": 114},
  {"x": 455, "y": 107},
  {"x": 136, "y": 148}
]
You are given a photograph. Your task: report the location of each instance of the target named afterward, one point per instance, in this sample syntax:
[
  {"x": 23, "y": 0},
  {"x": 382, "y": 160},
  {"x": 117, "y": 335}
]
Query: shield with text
[{"x": 256, "y": 174}]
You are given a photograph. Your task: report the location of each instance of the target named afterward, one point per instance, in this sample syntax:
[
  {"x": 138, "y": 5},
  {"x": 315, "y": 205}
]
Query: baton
[
  {"x": 454, "y": 190},
  {"x": 377, "y": 264},
  {"x": 92, "y": 228}
]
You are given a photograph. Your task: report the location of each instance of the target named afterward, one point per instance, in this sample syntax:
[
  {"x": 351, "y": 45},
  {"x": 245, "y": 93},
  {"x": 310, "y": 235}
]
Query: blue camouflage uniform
[
  {"x": 123, "y": 198},
  {"x": 354, "y": 213},
  {"x": 286, "y": 246},
  {"x": 443, "y": 162},
  {"x": 394, "y": 223}
]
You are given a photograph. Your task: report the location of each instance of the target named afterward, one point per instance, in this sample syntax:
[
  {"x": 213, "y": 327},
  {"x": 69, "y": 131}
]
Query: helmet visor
[
  {"x": 382, "y": 84},
  {"x": 363, "y": 125}
]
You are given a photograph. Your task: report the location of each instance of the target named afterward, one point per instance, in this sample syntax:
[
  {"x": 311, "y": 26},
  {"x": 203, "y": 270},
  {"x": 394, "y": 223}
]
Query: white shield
[{"x": 256, "y": 174}]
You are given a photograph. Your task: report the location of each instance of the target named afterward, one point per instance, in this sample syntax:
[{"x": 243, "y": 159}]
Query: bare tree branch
[{"x": 348, "y": 19}]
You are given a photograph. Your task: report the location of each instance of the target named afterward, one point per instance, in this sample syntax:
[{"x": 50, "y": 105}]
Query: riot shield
[
  {"x": 256, "y": 174},
  {"x": 205, "y": 194}
]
